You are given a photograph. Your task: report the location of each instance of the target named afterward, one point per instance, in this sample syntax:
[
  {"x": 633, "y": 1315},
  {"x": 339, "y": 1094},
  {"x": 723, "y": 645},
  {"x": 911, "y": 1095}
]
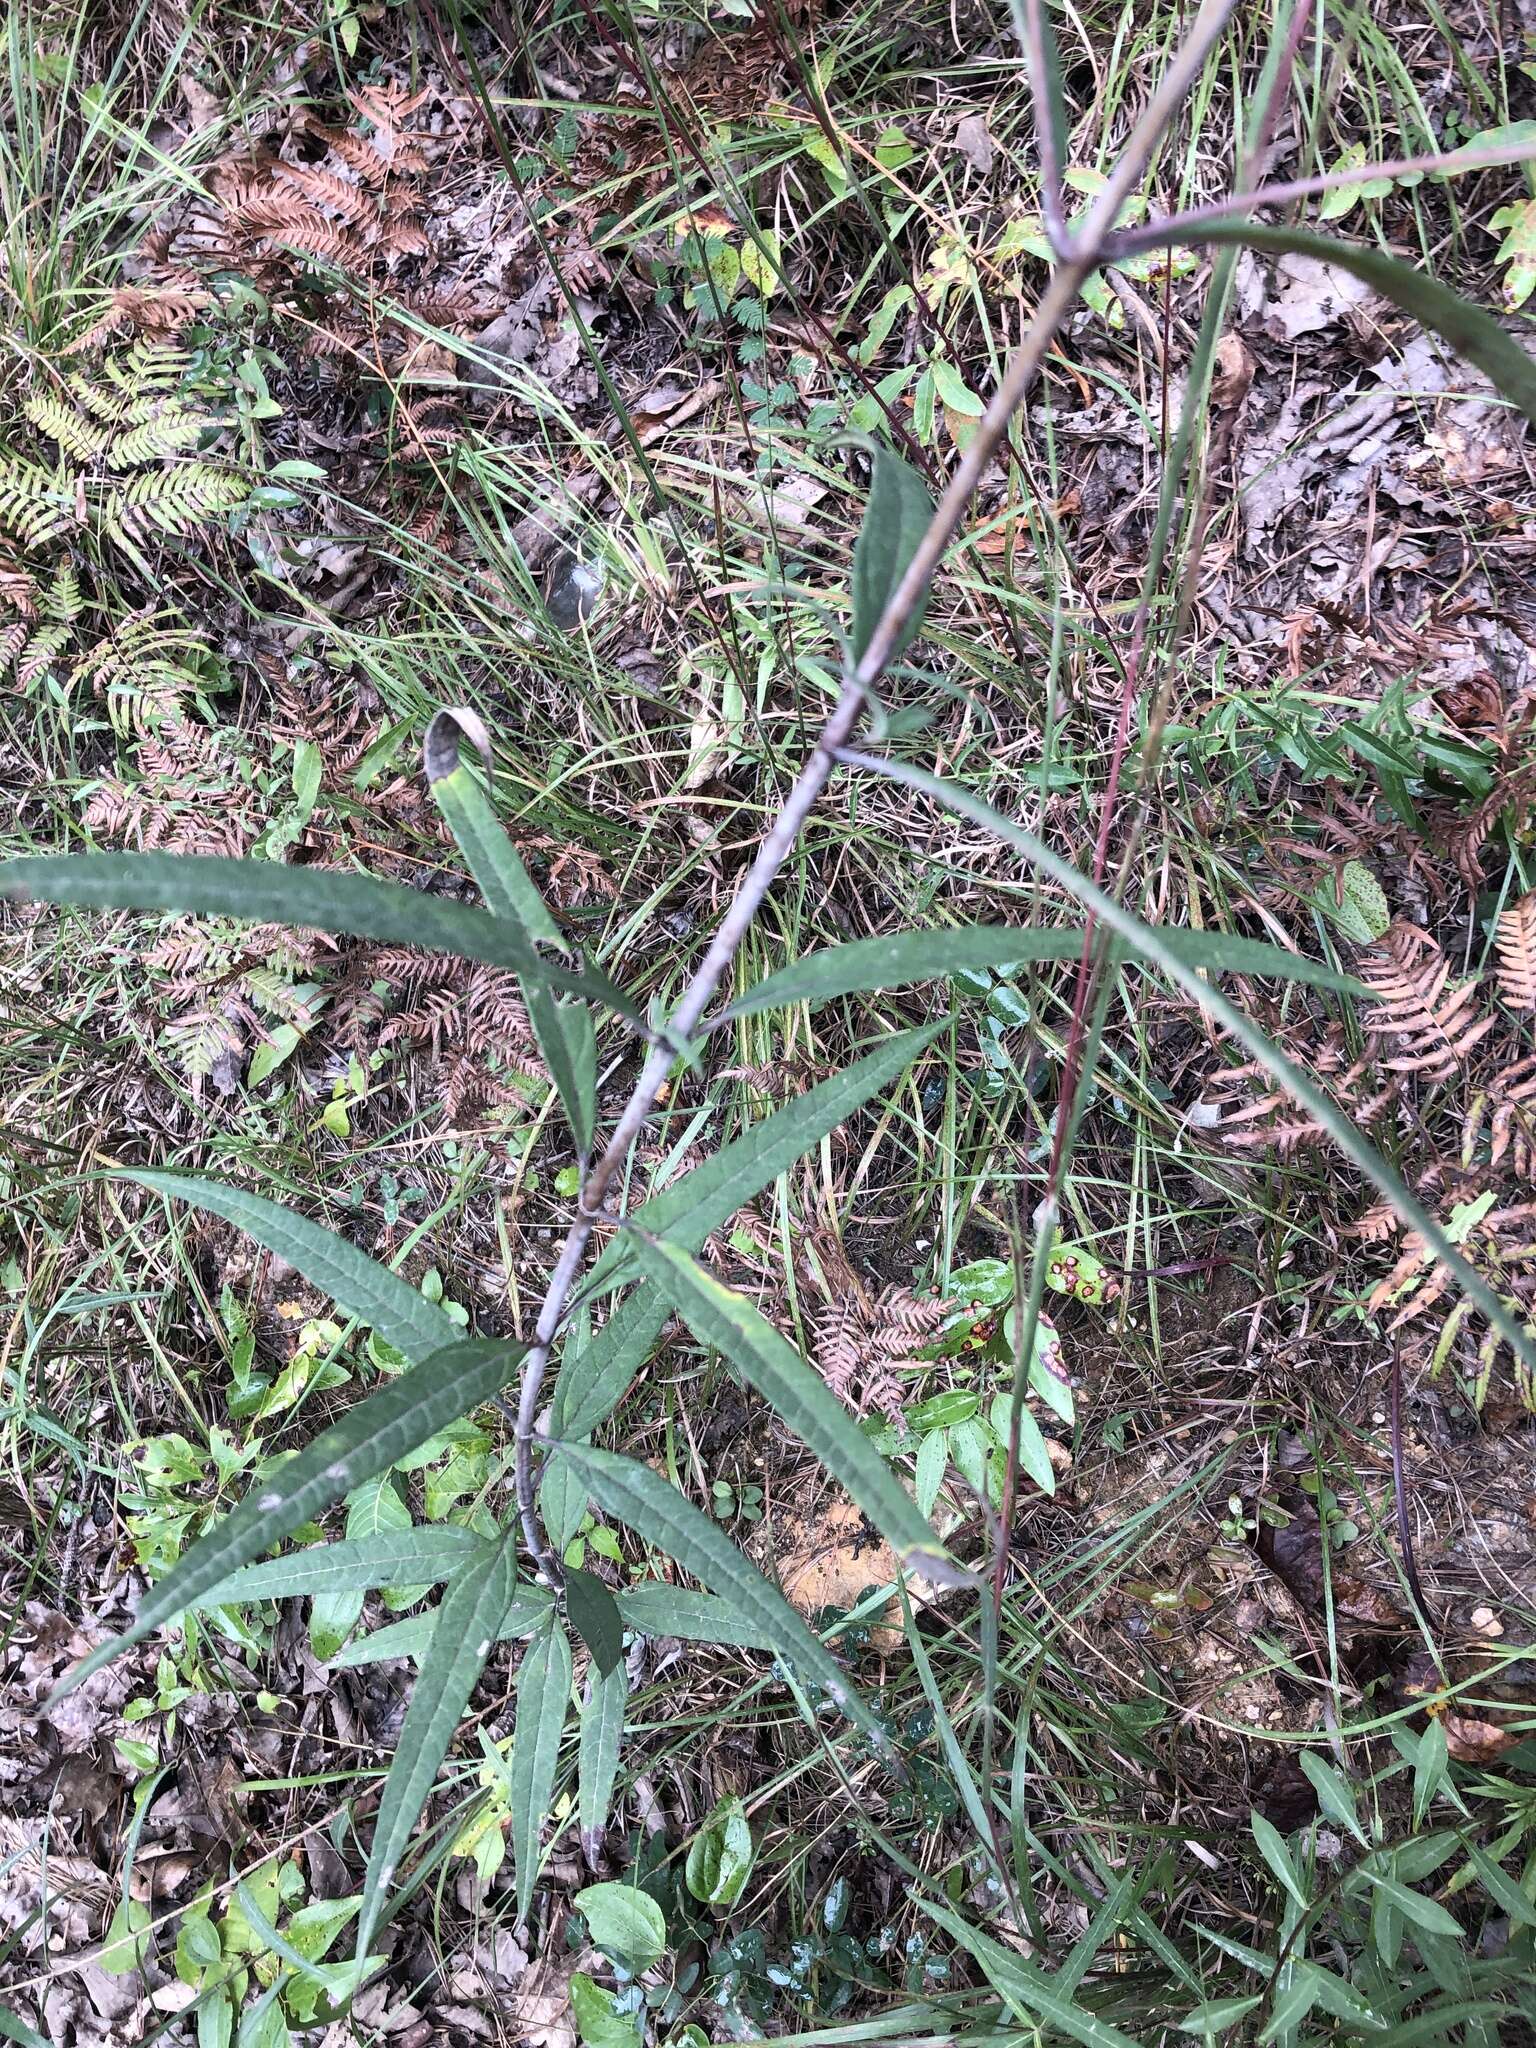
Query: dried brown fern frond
[
  {"x": 1253, "y": 1115},
  {"x": 1513, "y": 798},
  {"x": 1516, "y": 937},
  {"x": 1431, "y": 1022},
  {"x": 862, "y": 1342},
  {"x": 359, "y": 209}
]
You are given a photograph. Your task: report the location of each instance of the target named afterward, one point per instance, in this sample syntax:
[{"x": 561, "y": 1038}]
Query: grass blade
[
  {"x": 1027, "y": 1990},
  {"x": 531, "y": 1607},
  {"x": 654, "y": 1509},
  {"x": 364, "y": 1442},
  {"x": 359, "y": 1285},
  {"x": 597, "y": 1758},
  {"x": 543, "y": 1699},
  {"x": 1149, "y": 944},
  {"x": 564, "y": 1031},
  {"x": 1466, "y": 328},
  {"x": 467, "y": 1621},
  {"x": 395, "y": 1557},
  {"x": 895, "y": 520},
  {"x": 864, "y": 965},
  {"x": 771, "y": 1364},
  {"x": 314, "y": 899}
]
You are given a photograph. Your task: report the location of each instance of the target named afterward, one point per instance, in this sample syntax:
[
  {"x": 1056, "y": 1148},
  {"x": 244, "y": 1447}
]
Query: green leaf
[
  {"x": 720, "y": 1855},
  {"x": 1218, "y": 2014},
  {"x": 729, "y": 1322},
  {"x": 543, "y": 1700},
  {"x": 1272, "y": 1848},
  {"x": 1027, "y": 1989},
  {"x": 1467, "y": 328},
  {"x": 530, "y": 1609},
  {"x": 598, "y": 2020},
  {"x": 625, "y": 1923},
  {"x": 1334, "y": 1794},
  {"x": 1426, "y": 1913},
  {"x": 564, "y": 1031},
  {"x": 357, "y": 1284},
  {"x": 366, "y": 1440},
  {"x": 405, "y": 1557},
  {"x": 895, "y": 520},
  {"x": 471, "y": 1612},
  {"x": 698, "y": 1202},
  {"x": 864, "y": 965},
  {"x": 13, "y": 2029},
  {"x": 1141, "y": 938},
  {"x": 646, "y": 1503},
  {"x": 314, "y": 899},
  {"x": 591, "y": 1385},
  {"x": 1356, "y": 903},
  {"x": 653, "y": 1609},
  {"x": 597, "y": 1756},
  {"x": 592, "y": 1613}
]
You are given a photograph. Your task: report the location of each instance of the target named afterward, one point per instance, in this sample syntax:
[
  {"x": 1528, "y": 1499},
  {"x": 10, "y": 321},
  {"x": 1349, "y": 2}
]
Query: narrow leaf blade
[
  {"x": 409, "y": 1637},
  {"x": 394, "y": 1557},
  {"x": 653, "y": 1609},
  {"x": 467, "y": 1621},
  {"x": 895, "y": 520},
  {"x": 591, "y": 1611},
  {"x": 543, "y": 1696},
  {"x": 365, "y": 1441},
  {"x": 597, "y": 1758}
]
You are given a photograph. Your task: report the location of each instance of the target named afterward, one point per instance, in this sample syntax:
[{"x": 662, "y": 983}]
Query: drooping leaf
[
  {"x": 653, "y": 1609},
  {"x": 592, "y": 1613},
  {"x": 403, "y": 1557},
  {"x": 543, "y": 1700},
  {"x": 467, "y": 1623},
  {"x": 1142, "y": 939},
  {"x": 357, "y": 1284},
  {"x": 720, "y": 1856},
  {"x": 895, "y": 520},
  {"x": 313, "y": 899},
  {"x": 1464, "y": 326},
  {"x": 646, "y": 1503},
  {"x": 863, "y": 965},
  {"x": 698, "y": 1202},
  {"x": 591, "y": 1386},
  {"x": 770, "y": 1363},
  {"x": 563, "y": 1030},
  {"x": 625, "y": 1923},
  {"x": 531, "y": 1607},
  {"x": 366, "y": 1440},
  {"x": 597, "y": 1757}
]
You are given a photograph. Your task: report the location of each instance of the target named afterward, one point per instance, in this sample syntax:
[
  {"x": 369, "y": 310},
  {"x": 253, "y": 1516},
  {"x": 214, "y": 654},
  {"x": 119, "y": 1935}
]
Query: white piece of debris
[{"x": 1309, "y": 296}]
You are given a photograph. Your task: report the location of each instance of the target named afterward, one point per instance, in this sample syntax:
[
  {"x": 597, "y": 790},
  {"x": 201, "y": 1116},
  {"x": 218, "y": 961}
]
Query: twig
[
  {"x": 1400, "y": 1490},
  {"x": 1029, "y": 21},
  {"x": 1056, "y": 302}
]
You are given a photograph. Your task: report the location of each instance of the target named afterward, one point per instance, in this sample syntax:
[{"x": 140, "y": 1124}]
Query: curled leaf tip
[{"x": 440, "y": 750}]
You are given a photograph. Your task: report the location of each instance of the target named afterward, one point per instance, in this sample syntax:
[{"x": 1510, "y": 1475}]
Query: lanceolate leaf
[
  {"x": 357, "y": 1284},
  {"x": 699, "y": 1202},
  {"x": 1024, "y": 1987},
  {"x": 590, "y": 1608},
  {"x": 771, "y": 1364},
  {"x": 467, "y": 1622},
  {"x": 543, "y": 1698},
  {"x": 895, "y": 520},
  {"x": 531, "y": 1607},
  {"x": 1467, "y": 328},
  {"x": 314, "y": 899},
  {"x": 866, "y": 964},
  {"x": 563, "y": 1030},
  {"x": 1298, "y": 1085},
  {"x": 394, "y": 1557},
  {"x": 591, "y": 1386},
  {"x": 645, "y": 1502},
  {"x": 656, "y": 1610},
  {"x": 365, "y": 1441},
  {"x": 597, "y": 1759}
]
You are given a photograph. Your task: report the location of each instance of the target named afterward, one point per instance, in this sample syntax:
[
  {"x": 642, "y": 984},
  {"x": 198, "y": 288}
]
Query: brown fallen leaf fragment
[{"x": 1369, "y": 1625}]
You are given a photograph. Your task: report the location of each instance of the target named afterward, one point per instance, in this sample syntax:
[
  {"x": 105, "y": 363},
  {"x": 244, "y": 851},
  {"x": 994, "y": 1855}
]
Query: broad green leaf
[
  {"x": 313, "y": 899},
  {"x": 1355, "y": 902},
  {"x": 1142, "y": 939},
  {"x": 468, "y": 1618},
  {"x": 564, "y": 1031},
  {"x": 590, "y": 1609},
  {"x": 543, "y": 1700},
  {"x": 597, "y": 1756},
  {"x": 356, "y": 1283},
  {"x": 530, "y": 1609},
  {"x": 698, "y": 1202},
  {"x": 720, "y": 1855},
  {"x": 1466, "y": 327},
  {"x": 729, "y": 1322},
  {"x": 895, "y": 520},
  {"x": 405, "y": 1557},
  {"x": 598, "y": 2018},
  {"x": 1025, "y": 1988},
  {"x": 561, "y": 1505},
  {"x": 625, "y": 1923},
  {"x": 366, "y": 1440},
  {"x": 863, "y": 965},
  {"x": 653, "y": 1609},
  {"x": 654, "y": 1509}
]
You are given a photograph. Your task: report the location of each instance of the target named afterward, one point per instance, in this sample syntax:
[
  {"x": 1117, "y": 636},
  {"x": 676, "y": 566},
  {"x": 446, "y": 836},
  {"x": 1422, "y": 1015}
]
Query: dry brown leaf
[{"x": 1516, "y": 935}]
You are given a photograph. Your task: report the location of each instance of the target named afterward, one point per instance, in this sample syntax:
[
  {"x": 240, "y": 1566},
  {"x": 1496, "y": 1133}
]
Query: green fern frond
[
  {"x": 82, "y": 438},
  {"x": 196, "y": 1043},
  {"x": 148, "y": 366},
  {"x": 63, "y": 600},
  {"x": 143, "y": 669},
  {"x": 172, "y": 501},
  {"x": 168, "y": 433},
  {"x": 41, "y": 651},
  {"x": 36, "y": 504}
]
